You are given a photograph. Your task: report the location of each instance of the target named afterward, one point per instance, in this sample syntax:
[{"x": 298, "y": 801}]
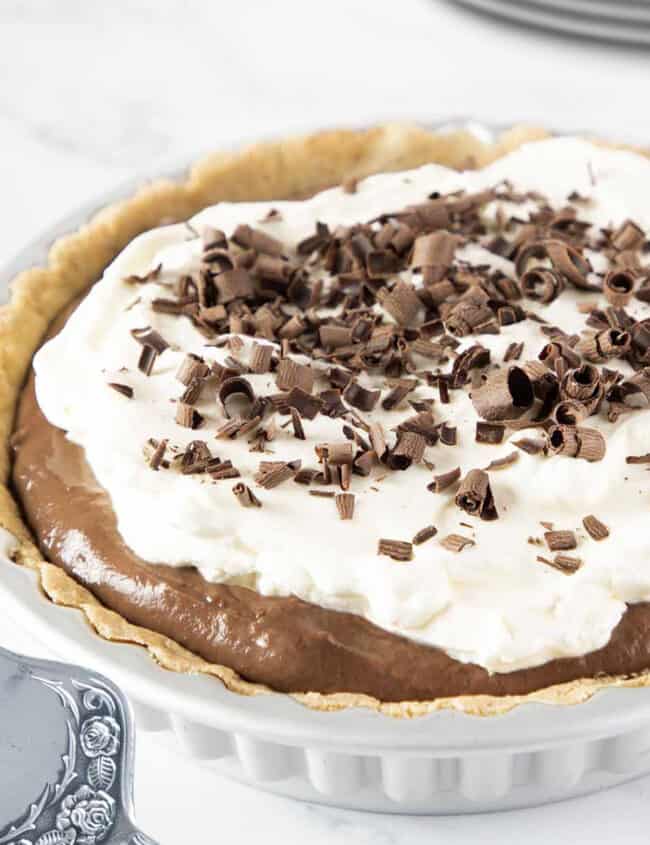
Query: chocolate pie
[{"x": 368, "y": 425}]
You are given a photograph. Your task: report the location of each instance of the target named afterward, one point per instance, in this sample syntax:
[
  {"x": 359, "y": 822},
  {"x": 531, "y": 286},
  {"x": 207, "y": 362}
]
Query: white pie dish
[{"x": 445, "y": 762}]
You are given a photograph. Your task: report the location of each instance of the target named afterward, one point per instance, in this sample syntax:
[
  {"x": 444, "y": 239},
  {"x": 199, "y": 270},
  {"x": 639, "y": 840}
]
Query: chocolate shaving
[
  {"x": 506, "y": 394},
  {"x": 336, "y": 454},
  {"x": 245, "y": 496},
  {"x": 397, "y": 394},
  {"x": 192, "y": 392},
  {"x": 618, "y": 287},
  {"x": 595, "y": 528},
  {"x": 248, "y": 238},
  {"x": 261, "y": 358},
  {"x": 444, "y": 480},
  {"x": 192, "y": 367},
  {"x": 305, "y": 476},
  {"x": 401, "y": 302},
  {"x": 291, "y": 374},
  {"x": 124, "y": 389},
  {"x": 298, "y": 430},
  {"x": 542, "y": 285},
  {"x": 456, "y": 542},
  {"x": 377, "y": 439},
  {"x": 187, "y": 416},
  {"x": 423, "y": 423},
  {"x": 502, "y": 463},
  {"x": 530, "y": 445},
  {"x": 361, "y": 398},
  {"x": 475, "y": 497},
  {"x": 273, "y": 473},
  {"x": 560, "y": 541},
  {"x": 434, "y": 250},
  {"x": 150, "y": 338},
  {"x": 345, "y": 505},
  {"x": 229, "y": 429},
  {"x": 158, "y": 455},
  {"x": 307, "y": 405},
  {"x": 223, "y": 472},
  {"x": 151, "y": 276},
  {"x": 424, "y": 534},
  {"x": 638, "y": 459},
  {"x": 409, "y": 449},
  {"x": 576, "y": 442},
  {"x": 487, "y": 432},
  {"x": 564, "y": 563},
  {"x": 395, "y": 549},
  {"x": 627, "y": 236},
  {"x": 513, "y": 352},
  {"x": 448, "y": 434}
]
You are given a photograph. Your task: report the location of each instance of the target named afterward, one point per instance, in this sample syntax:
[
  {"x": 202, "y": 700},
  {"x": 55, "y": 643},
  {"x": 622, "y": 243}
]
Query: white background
[{"x": 92, "y": 93}]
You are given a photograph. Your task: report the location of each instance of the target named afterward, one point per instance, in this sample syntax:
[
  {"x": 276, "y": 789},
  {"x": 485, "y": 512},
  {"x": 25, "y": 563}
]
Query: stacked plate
[{"x": 611, "y": 20}]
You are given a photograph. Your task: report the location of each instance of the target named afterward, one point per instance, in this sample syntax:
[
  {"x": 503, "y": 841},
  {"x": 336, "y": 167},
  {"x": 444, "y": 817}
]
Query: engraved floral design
[
  {"x": 57, "y": 837},
  {"x": 100, "y": 735},
  {"x": 89, "y": 813},
  {"x": 83, "y": 807}
]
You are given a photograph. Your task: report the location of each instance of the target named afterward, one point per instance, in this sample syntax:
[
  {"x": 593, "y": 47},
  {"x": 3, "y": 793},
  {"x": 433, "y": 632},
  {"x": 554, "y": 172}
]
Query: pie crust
[{"x": 291, "y": 168}]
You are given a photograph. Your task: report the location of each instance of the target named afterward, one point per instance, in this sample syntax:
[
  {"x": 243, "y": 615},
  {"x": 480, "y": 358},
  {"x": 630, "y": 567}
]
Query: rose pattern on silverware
[{"x": 87, "y": 805}]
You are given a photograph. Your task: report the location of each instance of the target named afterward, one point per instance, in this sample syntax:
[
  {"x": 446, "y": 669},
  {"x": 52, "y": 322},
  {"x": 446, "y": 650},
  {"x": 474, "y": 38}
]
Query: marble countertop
[{"x": 91, "y": 94}]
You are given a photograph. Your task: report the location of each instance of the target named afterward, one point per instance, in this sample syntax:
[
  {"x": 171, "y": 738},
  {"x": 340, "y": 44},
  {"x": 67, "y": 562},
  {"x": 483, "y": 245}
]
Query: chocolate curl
[
  {"x": 234, "y": 284},
  {"x": 440, "y": 292},
  {"x": 570, "y": 412},
  {"x": 475, "y": 495},
  {"x": 192, "y": 367},
  {"x": 555, "y": 351},
  {"x": 596, "y": 529},
  {"x": 261, "y": 356},
  {"x": 396, "y": 549},
  {"x": 401, "y": 302},
  {"x": 609, "y": 343},
  {"x": 506, "y": 394},
  {"x": 542, "y": 285},
  {"x": 618, "y": 287},
  {"x": 576, "y": 442},
  {"x": 360, "y": 397},
  {"x": 472, "y": 314},
  {"x": 583, "y": 384},
  {"x": 245, "y": 496},
  {"x": 628, "y": 236},
  {"x": 345, "y": 505},
  {"x": 291, "y": 374},
  {"x": 233, "y": 387},
  {"x": 640, "y": 349},
  {"x": 436, "y": 250},
  {"x": 639, "y": 383},
  {"x": 409, "y": 449},
  {"x": 444, "y": 480},
  {"x": 566, "y": 261},
  {"x": 248, "y": 238}
]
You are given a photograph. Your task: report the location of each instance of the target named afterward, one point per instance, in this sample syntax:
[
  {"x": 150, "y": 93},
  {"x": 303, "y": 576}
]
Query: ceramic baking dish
[{"x": 445, "y": 762}]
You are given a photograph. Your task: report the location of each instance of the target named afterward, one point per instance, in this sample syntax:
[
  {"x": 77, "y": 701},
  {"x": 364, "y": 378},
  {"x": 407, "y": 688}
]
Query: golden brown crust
[{"x": 291, "y": 168}]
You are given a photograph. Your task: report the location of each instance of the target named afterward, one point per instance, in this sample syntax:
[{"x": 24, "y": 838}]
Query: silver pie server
[{"x": 66, "y": 756}]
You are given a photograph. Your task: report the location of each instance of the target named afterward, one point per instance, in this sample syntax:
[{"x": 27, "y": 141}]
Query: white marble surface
[{"x": 92, "y": 93}]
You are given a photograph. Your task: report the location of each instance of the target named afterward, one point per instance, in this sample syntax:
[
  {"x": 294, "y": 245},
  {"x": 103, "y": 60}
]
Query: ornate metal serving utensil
[{"x": 66, "y": 756}]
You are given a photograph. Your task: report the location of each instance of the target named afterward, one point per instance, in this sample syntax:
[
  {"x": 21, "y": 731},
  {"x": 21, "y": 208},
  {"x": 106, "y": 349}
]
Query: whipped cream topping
[{"x": 492, "y": 604}]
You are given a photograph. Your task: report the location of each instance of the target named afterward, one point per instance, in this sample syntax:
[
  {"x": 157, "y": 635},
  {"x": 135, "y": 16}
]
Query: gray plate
[{"x": 544, "y": 15}]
